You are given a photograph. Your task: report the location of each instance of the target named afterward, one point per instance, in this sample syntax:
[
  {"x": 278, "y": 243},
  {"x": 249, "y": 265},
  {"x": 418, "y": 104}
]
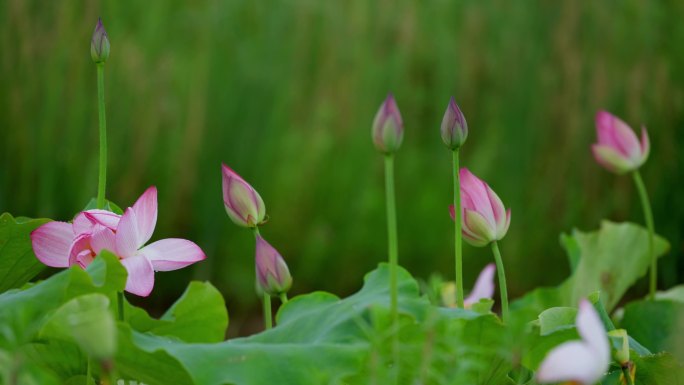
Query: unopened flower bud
[
  {"x": 242, "y": 202},
  {"x": 619, "y": 341},
  {"x": 454, "y": 126},
  {"x": 618, "y": 149},
  {"x": 273, "y": 275},
  {"x": 99, "y": 44},
  {"x": 388, "y": 128}
]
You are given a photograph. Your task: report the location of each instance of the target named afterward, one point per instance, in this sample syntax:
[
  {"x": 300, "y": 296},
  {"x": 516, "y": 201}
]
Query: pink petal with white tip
[
  {"x": 128, "y": 237},
  {"x": 140, "y": 275},
  {"x": 51, "y": 243},
  {"x": 86, "y": 220},
  {"x": 484, "y": 286},
  {"x": 172, "y": 254},
  {"x": 146, "y": 214}
]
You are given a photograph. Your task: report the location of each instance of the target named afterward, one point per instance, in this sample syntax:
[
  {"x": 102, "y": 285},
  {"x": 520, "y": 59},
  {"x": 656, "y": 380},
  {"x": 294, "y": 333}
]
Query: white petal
[{"x": 571, "y": 361}]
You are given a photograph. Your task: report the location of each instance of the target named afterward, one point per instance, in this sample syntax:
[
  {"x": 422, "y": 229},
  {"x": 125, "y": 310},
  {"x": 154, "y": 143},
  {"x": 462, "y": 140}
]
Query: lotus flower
[
  {"x": 99, "y": 44},
  {"x": 243, "y": 203},
  {"x": 584, "y": 361},
  {"x": 388, "y": 128},
  {"x": 62, "y": 244},
  {"x": 483, "y": 289},
  {"x": 454, "y": 127},
  {"x": 484, "y": 218},
  {"x": 273, "y": 275},
  {"x": 618, "y": 148}
]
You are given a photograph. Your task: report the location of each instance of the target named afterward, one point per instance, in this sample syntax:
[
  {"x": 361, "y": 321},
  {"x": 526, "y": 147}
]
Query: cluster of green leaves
[{"x": 49, "y": 330}]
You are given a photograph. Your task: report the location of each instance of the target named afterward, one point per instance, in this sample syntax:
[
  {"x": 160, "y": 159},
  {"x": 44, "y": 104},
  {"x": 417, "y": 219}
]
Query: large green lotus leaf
[
  {"x": 23, "y": 312},
  {"x": 321, "y": 339},
  {"x": 609, "y": 260},
  {"x": 658, "y": 325},
  {"x": 18, "y": 264},
  {"x": 199, "y": 315},
  {"x": 658, "y": 369}
]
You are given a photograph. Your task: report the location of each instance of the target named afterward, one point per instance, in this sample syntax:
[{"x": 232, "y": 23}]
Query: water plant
[{"x": 63, "y": 328}]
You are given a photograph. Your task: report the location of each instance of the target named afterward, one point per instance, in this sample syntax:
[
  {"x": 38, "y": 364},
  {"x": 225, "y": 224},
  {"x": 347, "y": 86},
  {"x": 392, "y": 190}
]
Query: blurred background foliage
[{"x": 285, "y": 92}]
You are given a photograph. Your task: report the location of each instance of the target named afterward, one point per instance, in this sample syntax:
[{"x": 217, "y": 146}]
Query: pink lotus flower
[
  {"x": 484, "y": 218},
  {"x": 618, "y": 148},
  {"x": 273, "y": 275},
  {"x": 584, "y": 361},
  {"x": 483, "y": 289},
  {"x": 243, "y": 203},
  {"x": 484, "y": 286},
  {"x": 388, "y": 127},
  {"x": 62, "y": 244}
]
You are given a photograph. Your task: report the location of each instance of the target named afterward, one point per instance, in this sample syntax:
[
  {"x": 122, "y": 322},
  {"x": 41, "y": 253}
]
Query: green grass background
[{"x": 285, "y": 93}]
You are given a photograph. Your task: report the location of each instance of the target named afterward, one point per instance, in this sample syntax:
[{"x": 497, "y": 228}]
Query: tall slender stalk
[
  {"x": 283, "y": 298},
  {"x": 391, "y": 232},
  {"x": 648, "y": 217},
  {"x": 268, "y": 317},
  {"x": 102, "y": 182},
  {"x": 502, "y": 281},
  {"x": 88, "y": 371},
  {"x": 393, "y": 253},
  {"x": 458, "y": 249}
]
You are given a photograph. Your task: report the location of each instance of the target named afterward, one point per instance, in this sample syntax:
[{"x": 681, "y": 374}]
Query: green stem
[
  {"x": 88, "y": 372},
  {"x": 268, "y": 319},
  {"x": 120, "y": 304},
  {"x": 393, "y": 253},
  {"x": 457, "y": 233},
  {"x": 648, "y": 216},
  {"x": 391, "y": 233},
  {"x": 103, "y": 138},
  {"x": 283, "y": 298},
  {"x": 502, "y": 281}
]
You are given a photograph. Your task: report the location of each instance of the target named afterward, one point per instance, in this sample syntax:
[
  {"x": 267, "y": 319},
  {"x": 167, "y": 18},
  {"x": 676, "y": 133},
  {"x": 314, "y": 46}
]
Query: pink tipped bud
[
  {"x": 388, "y": 128},
  {"x": 618, "y": 148},
  {"x": 273, "y": 276},
  {"x": 483, "y": 216},
  {"x": 99, "y": 44},
  {"x": 454, "y": 126},
  {"x": 243, "y": 204}
]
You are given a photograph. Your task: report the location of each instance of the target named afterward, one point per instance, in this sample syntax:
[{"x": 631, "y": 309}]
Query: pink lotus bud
[
  {"x": 484, "y": 218},
  {"x": 388, "y": 128},
  {"x": 99, "y": 44},
  {"x": 273, "y": 276},
  {"x": 243, "y": 204},
  {"x": 618, "y": 148},
  {"x": 454, "y": 126}
]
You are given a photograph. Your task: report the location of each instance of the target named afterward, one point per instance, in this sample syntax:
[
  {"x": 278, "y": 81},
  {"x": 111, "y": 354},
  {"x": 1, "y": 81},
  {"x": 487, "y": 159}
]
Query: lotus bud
[
  {"x": 273, "y": 275},
  {"x": 388, "y": 128},
  {"x": 99, "y": 44},
  {"x": 619, "y": 340},
  {"x": 454, "y": 126},
  {"x": 484, "y": 218},
  {"x": 243, "y": 204},
  {"x": 618, "y": 149}
]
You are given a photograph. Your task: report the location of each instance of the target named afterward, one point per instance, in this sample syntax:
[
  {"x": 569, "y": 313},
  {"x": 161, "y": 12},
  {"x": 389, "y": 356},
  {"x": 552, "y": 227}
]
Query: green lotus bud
[{"x": 99, "y": 44}]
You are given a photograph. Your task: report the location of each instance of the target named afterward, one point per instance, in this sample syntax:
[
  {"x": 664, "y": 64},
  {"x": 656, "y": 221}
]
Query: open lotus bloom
[
  {"x": 618, "y": 148},
  {"x": 483, "y": 216},
  {"x": 584, "y": 361},
  {"x": 483, "y": 289},
  {"x": 388, "y": 127},
  {"x": 62, "y": 244},
  {"x": 273, "y": 275},
  {"x": 243, "y": 203}
]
